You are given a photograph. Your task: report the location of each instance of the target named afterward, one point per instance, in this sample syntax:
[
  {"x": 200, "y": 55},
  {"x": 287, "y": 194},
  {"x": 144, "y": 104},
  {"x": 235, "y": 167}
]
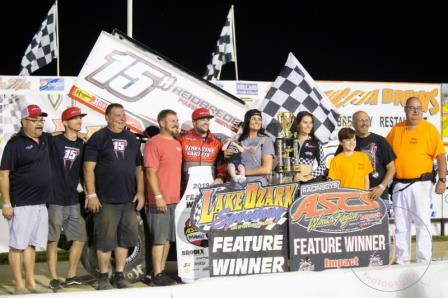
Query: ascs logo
[{"x": 337, "y": 211}]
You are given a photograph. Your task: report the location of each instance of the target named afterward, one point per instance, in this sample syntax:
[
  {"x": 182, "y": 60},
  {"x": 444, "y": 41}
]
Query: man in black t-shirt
[
  {"x": 25, "y": 184},
  {"x": 380, "y": 154},
  {"x": 114, "y": 182},
  {"x": 64, "y": 212}
]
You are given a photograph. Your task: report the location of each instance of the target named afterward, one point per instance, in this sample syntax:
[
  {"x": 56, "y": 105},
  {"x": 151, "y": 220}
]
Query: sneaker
[
  {"x": 146, "y": 280},
  {"x": 236, "y": 178},
  {"x": 119, "y": 281},
  {"x": 103, "y": 282},
  {"x": 55, "y": 284},
  {"x": 176, "y": 278},
  {"x": 72, "y": 281},
  {"x": 161, "y": 280},
  {"x": 242, "y": 179}
]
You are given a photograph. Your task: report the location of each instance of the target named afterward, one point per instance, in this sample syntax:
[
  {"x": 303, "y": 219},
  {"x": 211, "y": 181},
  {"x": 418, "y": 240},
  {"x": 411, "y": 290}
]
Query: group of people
[{"x": 40, "y": 174}]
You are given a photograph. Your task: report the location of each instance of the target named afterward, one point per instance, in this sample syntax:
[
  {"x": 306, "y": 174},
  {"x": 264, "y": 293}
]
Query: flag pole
[
  {"x": 234, "y": 42},
  {"x": 129, "y": 26},
  {"x": 56, "y": 14}
]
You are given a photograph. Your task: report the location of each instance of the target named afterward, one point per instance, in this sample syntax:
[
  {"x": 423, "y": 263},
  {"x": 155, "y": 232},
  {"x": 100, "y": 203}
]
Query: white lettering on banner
[
  {"x": 129, "y": 77},
  {"x": 247, "y": 243},
  {"x": 310, "y": 246},
  {"x": 365, "y": 243},
  {"x": 306, "y": 246},
  {"x": 248, "y": 265}
]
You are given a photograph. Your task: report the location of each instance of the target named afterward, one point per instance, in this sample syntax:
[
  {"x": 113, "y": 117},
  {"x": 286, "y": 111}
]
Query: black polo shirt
[
  {"x": 29, "y": 166},
  {"x": 116, "y": 155},
  {"x": 66, "y": 159}
]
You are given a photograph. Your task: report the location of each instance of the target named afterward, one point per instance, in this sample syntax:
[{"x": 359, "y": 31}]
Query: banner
[
  {"x": 191, "y": 244},
  {"x": 118, "y": 70},
  {"x": 332, "y": 227},
  {"x": 247, "y": 227}
]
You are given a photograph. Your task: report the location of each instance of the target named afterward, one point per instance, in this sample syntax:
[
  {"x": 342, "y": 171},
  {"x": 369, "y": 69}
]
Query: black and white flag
[
  {"x": 42, "y": 48},
  {"x": 294, "y": 90},
  {"x": 224, "y": 51}
]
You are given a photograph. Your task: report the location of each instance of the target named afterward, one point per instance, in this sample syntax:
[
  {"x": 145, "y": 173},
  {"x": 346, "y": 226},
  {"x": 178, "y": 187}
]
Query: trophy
[{"x": 285, "y": 119}]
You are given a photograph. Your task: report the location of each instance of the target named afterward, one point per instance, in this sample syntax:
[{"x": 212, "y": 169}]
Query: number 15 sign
[{"x": 120, "y": 70}]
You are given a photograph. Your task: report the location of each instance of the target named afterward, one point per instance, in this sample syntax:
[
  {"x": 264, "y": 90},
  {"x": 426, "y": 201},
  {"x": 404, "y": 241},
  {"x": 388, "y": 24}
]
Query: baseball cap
[
  {"x": 32, "y": 111},
  {"x": 201, "y": 113},
  {"x": 71, "y": 112}
]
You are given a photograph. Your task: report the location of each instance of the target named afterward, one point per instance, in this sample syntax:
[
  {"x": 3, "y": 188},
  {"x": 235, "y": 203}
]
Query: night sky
[{"x": 369, "y": 41}]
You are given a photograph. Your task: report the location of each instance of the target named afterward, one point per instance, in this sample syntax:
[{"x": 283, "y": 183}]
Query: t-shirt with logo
[
  {"x": 30, "y": 171},
  {"x": 415, "y": 148},
  {"x": 380, "y": 155},
  {"x": 66, "y": 159},
  {"x": 116, "y": 155},
  {"x": 350, "y": 170},
  {"x": 252, "y": 157},
  {"x": 165, "y": 156}
]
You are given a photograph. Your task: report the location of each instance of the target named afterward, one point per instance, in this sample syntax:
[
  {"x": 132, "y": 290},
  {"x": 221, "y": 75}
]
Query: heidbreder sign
[
  {"x": 332, "y": 227},
  {"x": 247, "y": 228},
  {"x": 121, "y": 70}
]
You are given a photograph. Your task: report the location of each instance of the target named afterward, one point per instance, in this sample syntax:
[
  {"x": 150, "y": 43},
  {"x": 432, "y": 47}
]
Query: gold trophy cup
[{"x": 286, "y": 119}]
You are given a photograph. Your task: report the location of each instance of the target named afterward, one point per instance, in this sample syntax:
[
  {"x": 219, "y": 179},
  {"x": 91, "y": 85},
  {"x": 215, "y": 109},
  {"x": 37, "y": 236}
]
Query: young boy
[{"x": 351, "y": 167}]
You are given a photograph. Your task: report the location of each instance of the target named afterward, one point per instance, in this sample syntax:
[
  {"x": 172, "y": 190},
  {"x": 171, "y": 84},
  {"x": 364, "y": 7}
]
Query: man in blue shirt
[
  {"x": 25, "y": 184},
  {"x": 114, "y": 182}
]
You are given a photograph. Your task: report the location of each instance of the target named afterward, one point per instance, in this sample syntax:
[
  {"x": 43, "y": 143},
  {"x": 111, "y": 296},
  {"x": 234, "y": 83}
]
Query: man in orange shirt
[
  {"x": 351, "y": 167},
  {"x": 163, "y": 162},
  {"x": 416, "y": 144}
]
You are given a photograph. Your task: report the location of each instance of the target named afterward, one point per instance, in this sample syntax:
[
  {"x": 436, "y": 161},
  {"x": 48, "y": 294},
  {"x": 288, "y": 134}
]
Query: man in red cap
[
  {"x": 25, "y": 185},
  {"x": 201, "y": 148},
  {"x": 64, "y": 212}
]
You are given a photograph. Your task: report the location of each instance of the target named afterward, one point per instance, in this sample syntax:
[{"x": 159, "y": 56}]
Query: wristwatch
[{"x": 443, "y": 180}]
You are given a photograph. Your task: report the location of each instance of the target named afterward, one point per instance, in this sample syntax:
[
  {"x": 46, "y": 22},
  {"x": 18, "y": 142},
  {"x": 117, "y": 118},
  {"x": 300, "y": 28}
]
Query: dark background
[{"x": 361, "y": 41}]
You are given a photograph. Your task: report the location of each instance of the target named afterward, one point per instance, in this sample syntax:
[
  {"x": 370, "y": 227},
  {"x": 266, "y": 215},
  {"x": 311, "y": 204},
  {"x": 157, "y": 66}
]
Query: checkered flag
[
  {"x": 42, "y": 48},
  {"x": 196, "y": 211},
  {"x": 9, "y": 118},
  {"x": 294, "y": 90},
  {"x": 224, "y": 51}
]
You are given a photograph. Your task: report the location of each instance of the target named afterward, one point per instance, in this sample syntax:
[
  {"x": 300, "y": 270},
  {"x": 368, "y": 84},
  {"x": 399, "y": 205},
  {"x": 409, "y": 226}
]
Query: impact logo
[
  {"x": 130, "y": 77},
  {"x": 194, "y": 236},
  {"x": 336, "y": 210},
  {"x": 221, "y": 208}
]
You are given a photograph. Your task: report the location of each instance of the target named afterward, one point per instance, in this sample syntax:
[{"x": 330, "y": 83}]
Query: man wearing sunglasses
[{"x": 25, "y": 184}]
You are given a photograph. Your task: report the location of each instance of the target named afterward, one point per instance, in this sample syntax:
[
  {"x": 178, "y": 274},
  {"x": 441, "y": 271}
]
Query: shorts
[
  {"x": 68, "y": 220},
  {"x": 161, "y": 225},
  {"x": 115, "y": 226},
  {"x": 236, "y": 162},
  {"x": 28, "y": 227}
]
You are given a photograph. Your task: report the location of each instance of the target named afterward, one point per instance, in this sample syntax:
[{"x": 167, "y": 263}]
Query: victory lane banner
[
  {"x": 333, "y": 227},
  {"x": 246, "y": 226}
]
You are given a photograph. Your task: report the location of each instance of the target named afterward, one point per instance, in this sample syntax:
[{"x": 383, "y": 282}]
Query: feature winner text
[{"x": 252, "y": 255}]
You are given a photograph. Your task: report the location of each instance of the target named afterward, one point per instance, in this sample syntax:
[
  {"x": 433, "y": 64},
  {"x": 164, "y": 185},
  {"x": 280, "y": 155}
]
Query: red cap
[
  {"x": 32, "y": 111},
  {"x": 71, "y": 112},
  {"x": 201, "y": 113}
]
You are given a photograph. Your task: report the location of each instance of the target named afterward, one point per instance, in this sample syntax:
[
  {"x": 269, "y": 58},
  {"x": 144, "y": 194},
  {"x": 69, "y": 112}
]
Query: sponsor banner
[
  {"x": 50, "y": 93},
  {"x": 247, "y": 227},
  {"x": 118, "y": 70},
  {"x": 445, "y": 113},
  {"x": 191, "y": 244},
  {"x": 332, "y": 227},
  {"x": 383, "y": 101}
]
